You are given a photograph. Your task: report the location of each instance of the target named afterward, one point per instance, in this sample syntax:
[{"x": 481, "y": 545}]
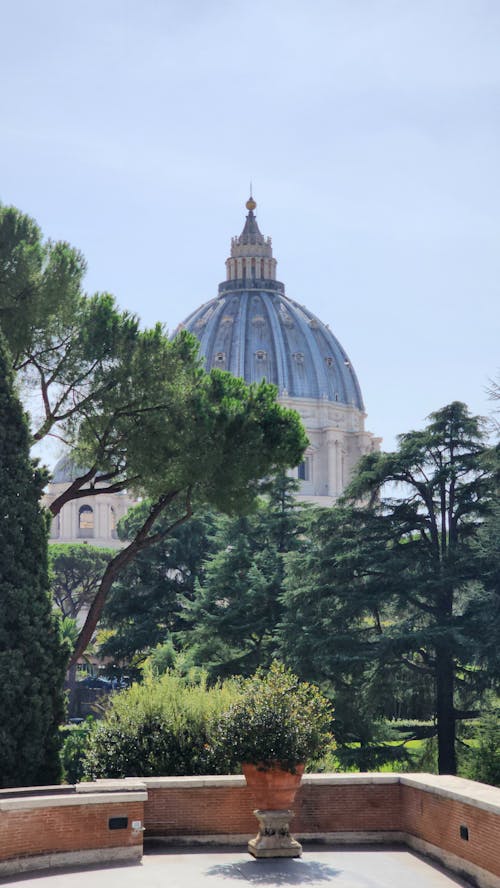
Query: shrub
[
  {"x": 276, "y": 719},
  {"x": 161, "y": 727},
  {"x": 74, "y": 747},
  {"x": 483, "y": 760}
]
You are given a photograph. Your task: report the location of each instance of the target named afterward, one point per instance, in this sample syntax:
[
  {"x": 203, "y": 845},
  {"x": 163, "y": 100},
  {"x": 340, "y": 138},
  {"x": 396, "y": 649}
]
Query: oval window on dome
[
  {"x": 220, "y": 358},
  {"x": 329, "y": 361},
  {"x": 260, "y": 355},
  {"x": 298, "y": 357}
]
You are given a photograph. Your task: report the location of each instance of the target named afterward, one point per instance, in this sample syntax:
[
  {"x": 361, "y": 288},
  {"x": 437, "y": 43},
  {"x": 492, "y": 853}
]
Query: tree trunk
[
  {"x": 142, "y": 540},
  {"x": 447, "y": 759}
]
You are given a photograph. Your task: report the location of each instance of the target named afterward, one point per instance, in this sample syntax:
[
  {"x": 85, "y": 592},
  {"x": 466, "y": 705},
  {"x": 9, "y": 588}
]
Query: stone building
[
  {"x": 252, "y": 329},
  {"x": 91, "y": 519}
]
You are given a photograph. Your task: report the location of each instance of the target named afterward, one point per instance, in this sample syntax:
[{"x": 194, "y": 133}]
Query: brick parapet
[
  {"x": 54, "y": 829},
  {"x": 421, "y": 810},
  {"x": 453, "y": 825},
  {"x": 456, "y": 821}
]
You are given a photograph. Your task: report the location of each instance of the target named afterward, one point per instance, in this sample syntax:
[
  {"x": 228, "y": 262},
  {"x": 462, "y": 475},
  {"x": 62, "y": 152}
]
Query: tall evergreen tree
[
  {"x": 390, "y": 582},
  {"x": 237, "y": 604},
  {"x": 32, "y": 656}
]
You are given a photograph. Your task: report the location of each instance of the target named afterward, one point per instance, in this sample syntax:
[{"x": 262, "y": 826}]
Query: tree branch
[{"x": 142, "y": 540}]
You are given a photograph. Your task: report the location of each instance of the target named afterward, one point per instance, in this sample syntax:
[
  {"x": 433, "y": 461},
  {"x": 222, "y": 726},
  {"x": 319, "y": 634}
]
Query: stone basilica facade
[{"x": 252, "y": 329}]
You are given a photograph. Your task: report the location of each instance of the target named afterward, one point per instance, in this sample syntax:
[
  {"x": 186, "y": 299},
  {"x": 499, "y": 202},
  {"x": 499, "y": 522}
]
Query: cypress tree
[{"x": 32, "y": 656}]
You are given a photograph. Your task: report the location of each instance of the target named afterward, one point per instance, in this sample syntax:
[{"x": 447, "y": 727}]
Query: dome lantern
[{"x": 251, "y": 258}]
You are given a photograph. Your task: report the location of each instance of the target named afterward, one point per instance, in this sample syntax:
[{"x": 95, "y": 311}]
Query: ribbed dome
[
  {"x": 259, "y": 334},
  {"x": 66, "y": 470},
  {"x": 253, "y": 330}
]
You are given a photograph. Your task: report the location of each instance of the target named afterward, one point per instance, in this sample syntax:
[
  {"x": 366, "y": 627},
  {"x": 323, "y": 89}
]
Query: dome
[
  {"x": 65, "y": 471},
  {"x": 256, "y": 332}
]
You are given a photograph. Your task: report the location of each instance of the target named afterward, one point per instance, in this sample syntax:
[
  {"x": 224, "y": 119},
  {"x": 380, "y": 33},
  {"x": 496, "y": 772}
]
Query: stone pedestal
[{"x": 274, "y": 839}]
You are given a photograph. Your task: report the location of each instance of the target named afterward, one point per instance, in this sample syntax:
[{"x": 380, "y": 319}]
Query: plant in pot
[{"x": 272, "y": 730}]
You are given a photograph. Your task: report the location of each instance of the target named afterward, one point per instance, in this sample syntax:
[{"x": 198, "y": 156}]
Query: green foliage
[
  {"x": 40, "y": 282},
  {"x": 483, "y": 758},
  {"x": 233, "y": 613},
  {"x": 74, "y": 747},
  {"x": 482, "y": 614},
  {"x": 164, "y": 726},
  {"x": 277, "y": 719},
  {"x": 146, "y": 602},
  {"x": 387, "y": 584},
  {"x": 32, "y": 656},
  {"x": 75, "y": 574},
  {"x": 136, "y": 407}
]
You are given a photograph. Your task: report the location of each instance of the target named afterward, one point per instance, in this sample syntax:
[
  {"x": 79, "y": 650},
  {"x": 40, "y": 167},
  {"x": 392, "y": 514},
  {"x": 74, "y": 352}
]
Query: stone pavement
[{"x": 341, "y": 867}]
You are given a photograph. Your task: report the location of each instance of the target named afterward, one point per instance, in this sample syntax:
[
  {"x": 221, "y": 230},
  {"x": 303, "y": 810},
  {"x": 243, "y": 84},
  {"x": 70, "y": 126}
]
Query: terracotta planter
[{"x": 274, "y": 788}]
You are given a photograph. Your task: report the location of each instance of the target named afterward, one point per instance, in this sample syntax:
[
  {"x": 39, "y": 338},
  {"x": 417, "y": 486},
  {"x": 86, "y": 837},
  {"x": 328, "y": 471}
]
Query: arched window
[{"x": 85, "y": 521}]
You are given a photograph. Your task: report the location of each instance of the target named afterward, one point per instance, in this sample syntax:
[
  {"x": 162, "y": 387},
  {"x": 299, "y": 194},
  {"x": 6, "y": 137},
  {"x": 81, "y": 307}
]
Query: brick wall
[
  {"x": 56, "y": 825},
  {"x": 223, "y": 806},
  {"x": 424, "y": 810},
  {"x": 358, "y": 807},
  {"x": 341, "y": 807},
  {"x": 437, "y": 819}
]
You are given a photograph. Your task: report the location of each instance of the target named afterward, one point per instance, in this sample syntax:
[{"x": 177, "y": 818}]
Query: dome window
[
  {"x": 298, "y": 357},
  {"x": 258, "y": 321},
  {"x": 329, "y": 361},
  {"x": 227, "y": 320},
  {"x": 285, "y": 316},
  {"x": 220, "y": 358},
  {"x": 261, "y": 355}
]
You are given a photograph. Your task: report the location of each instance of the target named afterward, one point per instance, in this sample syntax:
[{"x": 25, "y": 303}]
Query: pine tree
[
  {"x": 32, "y": 656},
  {"x": 147, "y": 601},
  {"x": 237, "y": 605},
  {"x": 394, "y": 580}
]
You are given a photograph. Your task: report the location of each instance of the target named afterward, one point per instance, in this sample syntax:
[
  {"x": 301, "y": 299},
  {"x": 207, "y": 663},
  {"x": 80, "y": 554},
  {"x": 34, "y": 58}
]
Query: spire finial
[{"x": 250, "y": 204}]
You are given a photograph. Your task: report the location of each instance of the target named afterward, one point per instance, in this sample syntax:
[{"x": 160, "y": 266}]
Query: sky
[{"x": 370, "y": 130}]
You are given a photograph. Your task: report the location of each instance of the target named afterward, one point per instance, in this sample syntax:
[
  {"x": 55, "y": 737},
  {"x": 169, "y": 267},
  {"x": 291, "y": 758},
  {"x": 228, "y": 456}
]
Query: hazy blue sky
[{"x": 370, "y": 129}]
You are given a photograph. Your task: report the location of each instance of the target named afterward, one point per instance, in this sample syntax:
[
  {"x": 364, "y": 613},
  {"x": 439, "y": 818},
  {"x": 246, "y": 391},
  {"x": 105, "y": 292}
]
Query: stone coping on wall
[
  {"x": 89, "y": 797},
  {"x": 128, "y": 784},
  {"x": 468, "y": 791},
  {"x": 480, "y": 795},
  {"x": 223, "y": 781}
]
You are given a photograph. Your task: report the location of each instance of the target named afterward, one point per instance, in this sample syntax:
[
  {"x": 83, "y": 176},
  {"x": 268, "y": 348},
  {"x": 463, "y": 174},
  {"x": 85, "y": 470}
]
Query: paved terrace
[{"x": 341, "y": 867}]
